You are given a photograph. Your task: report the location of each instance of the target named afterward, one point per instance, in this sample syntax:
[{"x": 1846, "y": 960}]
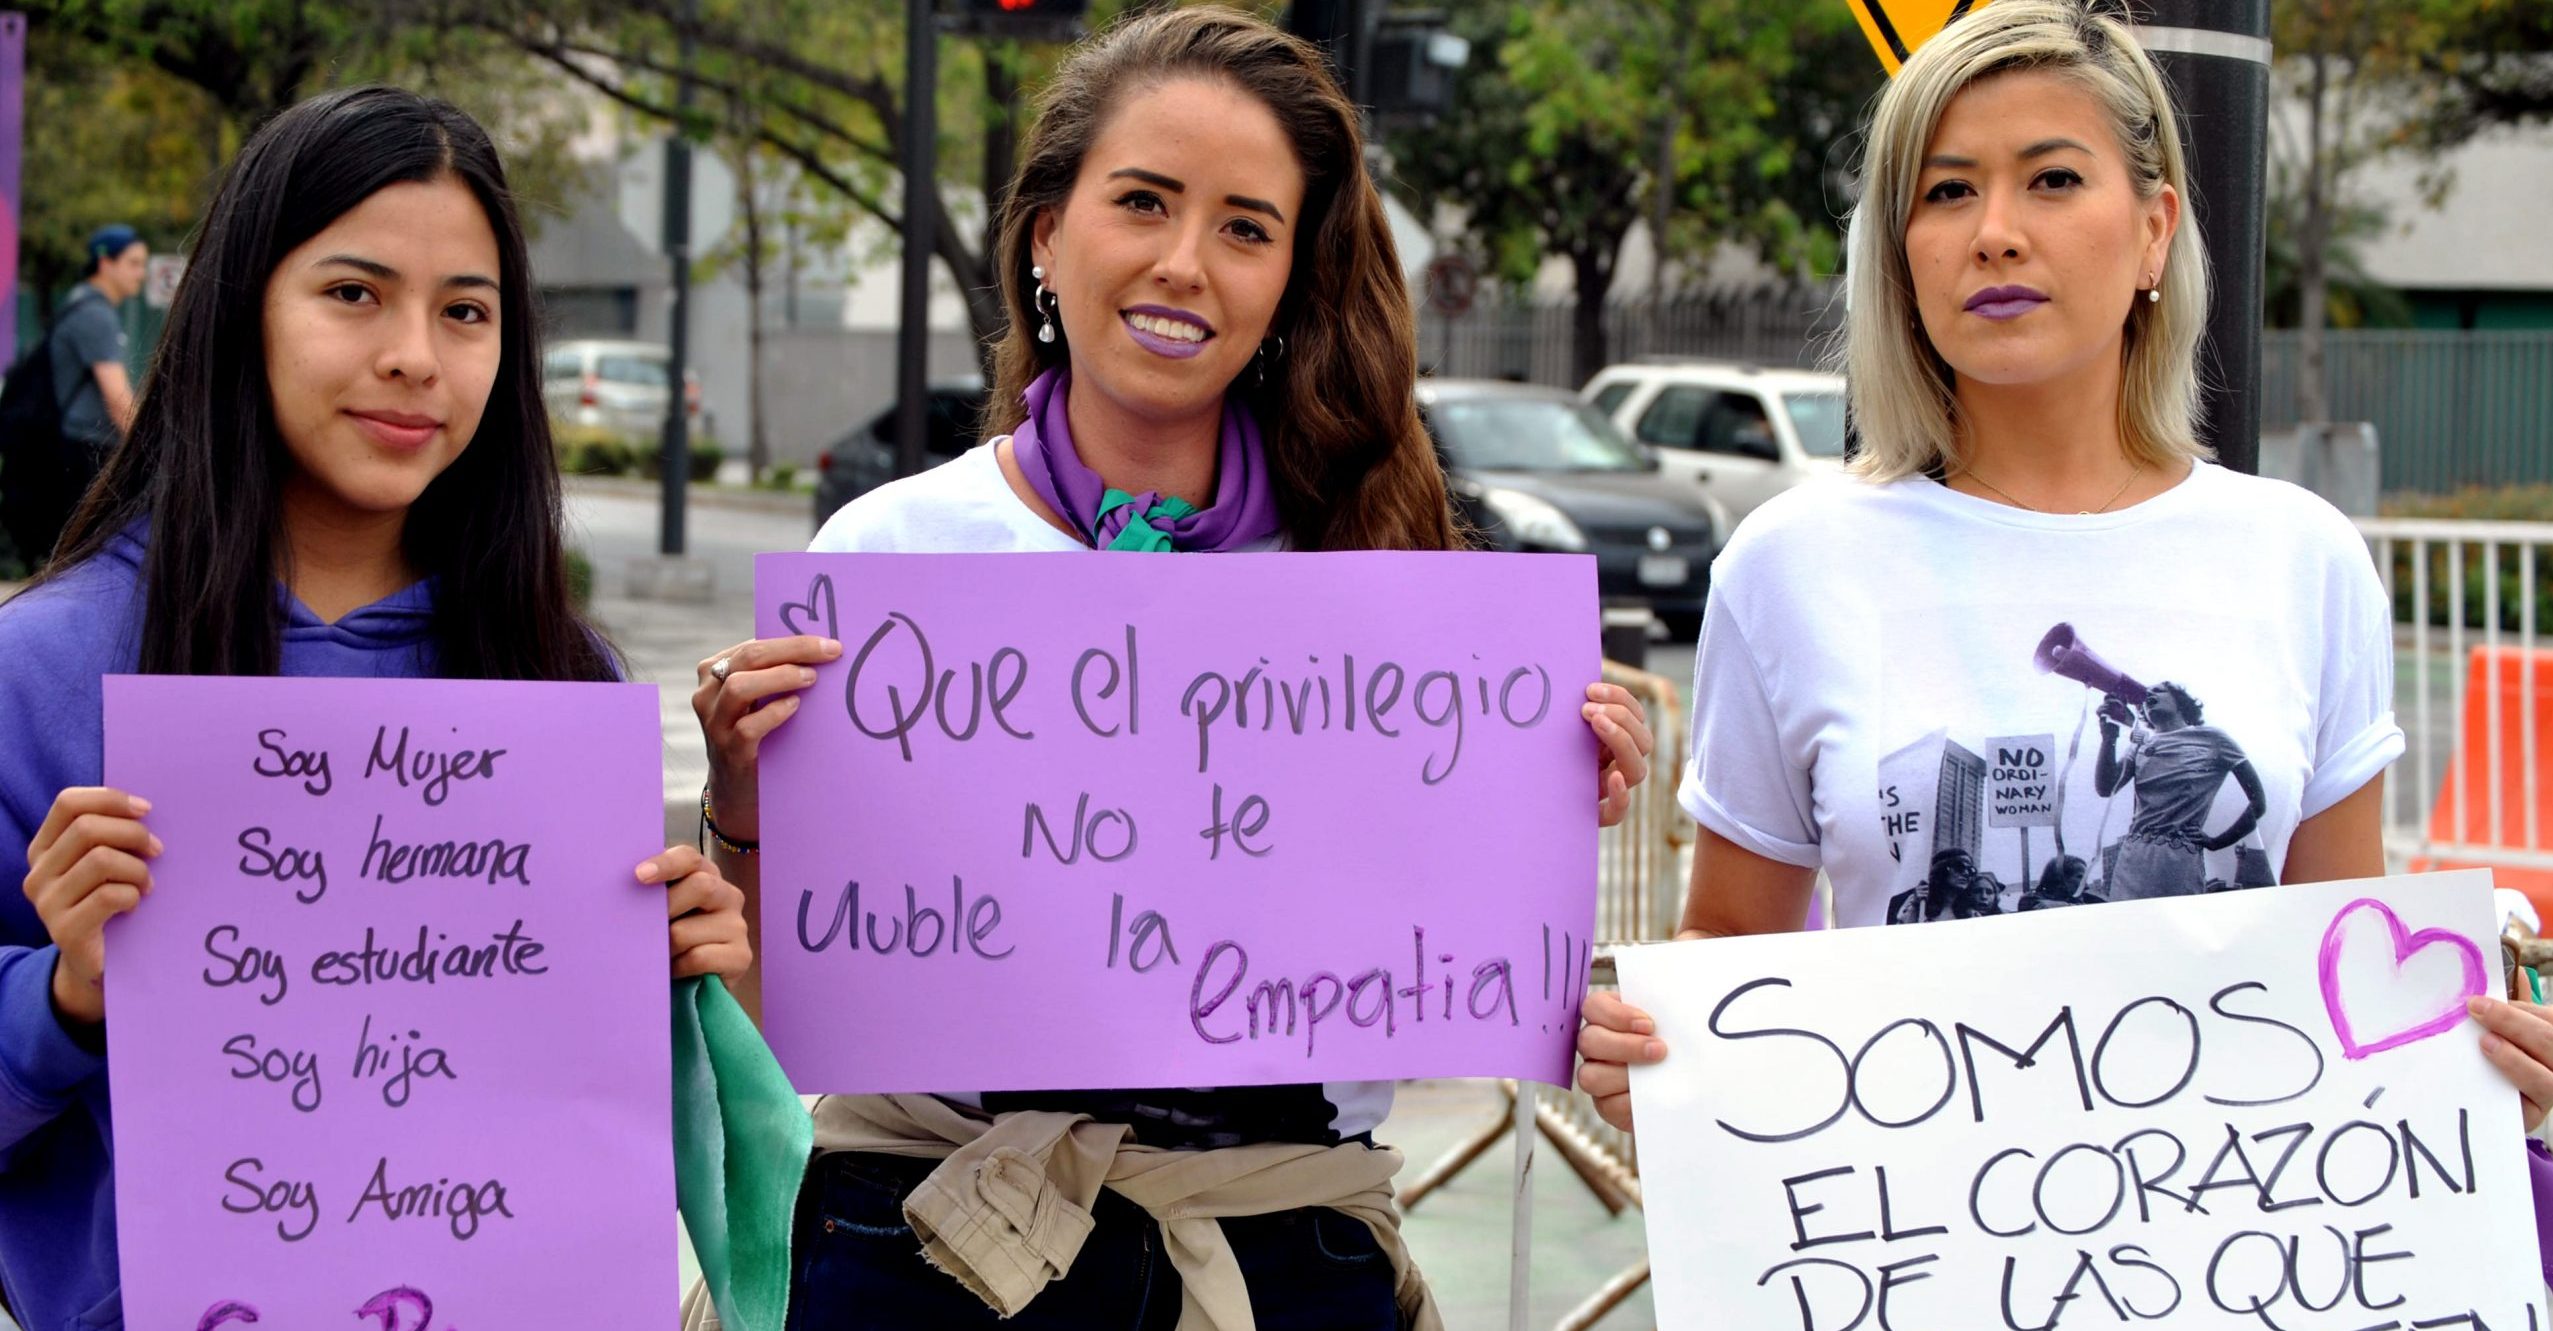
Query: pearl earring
[
  {"x": 2154, "y": 289},
  {"x": 1043, "y": 301}
]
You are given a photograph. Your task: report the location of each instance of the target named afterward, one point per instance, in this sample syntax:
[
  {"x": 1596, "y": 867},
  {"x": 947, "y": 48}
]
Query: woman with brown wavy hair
[{"x": 1211, "y": 349}]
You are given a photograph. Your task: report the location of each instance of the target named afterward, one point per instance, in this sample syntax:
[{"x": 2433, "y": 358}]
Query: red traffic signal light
[{"x": 1000, "y": 15}]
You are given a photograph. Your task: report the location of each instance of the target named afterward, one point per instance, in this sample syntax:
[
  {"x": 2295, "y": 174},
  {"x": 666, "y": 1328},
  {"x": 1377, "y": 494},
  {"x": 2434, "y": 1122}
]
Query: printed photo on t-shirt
[{"x": 2093, "y": 775}]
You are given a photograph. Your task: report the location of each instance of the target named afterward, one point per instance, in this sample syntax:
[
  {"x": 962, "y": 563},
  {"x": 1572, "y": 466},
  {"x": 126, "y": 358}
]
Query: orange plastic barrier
[{"x": 2510, "y": 673}]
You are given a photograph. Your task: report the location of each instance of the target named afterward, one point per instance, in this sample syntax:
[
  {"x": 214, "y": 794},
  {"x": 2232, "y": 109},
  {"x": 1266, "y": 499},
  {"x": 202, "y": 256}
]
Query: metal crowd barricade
[
  {"x": 2471, "y": 601},
  {"x": 1639, "y": 897}
]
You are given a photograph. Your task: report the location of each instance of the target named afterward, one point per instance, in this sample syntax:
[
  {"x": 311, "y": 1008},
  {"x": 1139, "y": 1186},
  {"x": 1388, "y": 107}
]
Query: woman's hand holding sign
[
  {"x": 2518, "y": 1039},
  {"x": 85, "y": 867},
  {"x": 708, "y": 932},
  {"x": 1734, "y": 892},
  {"x": 745, "y": 693},
  {"x": 1622, "y": 725},
  {"x": 1615, "y": 1036}
]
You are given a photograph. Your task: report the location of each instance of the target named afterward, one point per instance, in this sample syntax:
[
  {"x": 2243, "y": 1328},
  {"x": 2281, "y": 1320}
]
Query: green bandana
[{"x": 1140, "y": 534}]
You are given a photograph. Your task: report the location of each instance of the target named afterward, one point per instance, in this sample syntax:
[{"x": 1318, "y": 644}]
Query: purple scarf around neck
[{"x": 1244, "y": 507}]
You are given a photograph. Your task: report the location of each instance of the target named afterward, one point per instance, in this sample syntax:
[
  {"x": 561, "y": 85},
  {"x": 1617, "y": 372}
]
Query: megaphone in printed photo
[{"x": 2062, "y": 653}]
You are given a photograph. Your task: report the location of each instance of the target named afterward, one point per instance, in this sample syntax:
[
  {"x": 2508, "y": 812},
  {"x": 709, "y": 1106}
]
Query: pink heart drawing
[{"x": 2404, "y": 944}]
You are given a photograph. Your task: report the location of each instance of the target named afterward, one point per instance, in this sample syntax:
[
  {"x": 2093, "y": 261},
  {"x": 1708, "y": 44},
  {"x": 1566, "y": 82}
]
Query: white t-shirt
[
  {"x": 1904, "y": 685},
  {"x": 966, "y": 506}
]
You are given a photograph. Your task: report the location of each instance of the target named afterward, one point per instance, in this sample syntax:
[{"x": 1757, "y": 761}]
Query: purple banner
[
  {"x": 1055, "y": 821},
  {"x": 13, "y": 125},
  {"x": 389, "y": 1031}
]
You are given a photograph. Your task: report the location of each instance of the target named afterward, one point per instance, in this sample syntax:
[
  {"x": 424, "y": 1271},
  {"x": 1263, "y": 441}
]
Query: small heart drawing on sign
[
  {"x": 2405, "y": 945},
  {"x": 814, "y": 614}
]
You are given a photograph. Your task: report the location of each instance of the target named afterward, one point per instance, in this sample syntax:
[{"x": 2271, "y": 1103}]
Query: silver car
[
  {"x": 617, "y": 386},
  {"x": 1742, "y": 433}
]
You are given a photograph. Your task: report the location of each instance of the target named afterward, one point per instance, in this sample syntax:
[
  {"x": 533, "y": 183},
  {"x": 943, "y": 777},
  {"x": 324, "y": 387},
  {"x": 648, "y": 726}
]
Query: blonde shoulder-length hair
[{"x": 1900, "y": 386}]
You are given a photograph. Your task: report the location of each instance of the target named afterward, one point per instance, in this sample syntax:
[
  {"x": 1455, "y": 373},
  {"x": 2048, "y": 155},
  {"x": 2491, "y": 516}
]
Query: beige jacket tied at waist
[{"x": 1009, "y": 1209}]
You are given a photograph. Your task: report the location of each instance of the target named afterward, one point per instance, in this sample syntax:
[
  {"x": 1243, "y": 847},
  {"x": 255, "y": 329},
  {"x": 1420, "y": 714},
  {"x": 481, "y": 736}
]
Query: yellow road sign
[{"x": 1896, "y": 27}]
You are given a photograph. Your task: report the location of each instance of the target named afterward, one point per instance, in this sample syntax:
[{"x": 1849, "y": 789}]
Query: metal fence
[
  {"x": 2451, "y": 409},
  {"x": 1770, "y": 325},
  {"x": 2473, "y": 681}
]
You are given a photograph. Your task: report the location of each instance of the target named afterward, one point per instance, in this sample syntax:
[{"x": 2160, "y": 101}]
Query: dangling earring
[
  {"x": 2154, "y": 289},
  {"x": 1045, "y": 304},
  {"x": 1260, "y": 362}
]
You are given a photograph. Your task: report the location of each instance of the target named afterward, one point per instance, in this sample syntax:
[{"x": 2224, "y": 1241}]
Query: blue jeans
[{"x": 859, "y": 1265}]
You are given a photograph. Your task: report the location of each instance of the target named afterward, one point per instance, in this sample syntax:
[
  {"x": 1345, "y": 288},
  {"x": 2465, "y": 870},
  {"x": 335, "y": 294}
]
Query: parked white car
[
  {"x": 1743, "y": 433},
  {"x": 618, "y": 386}
]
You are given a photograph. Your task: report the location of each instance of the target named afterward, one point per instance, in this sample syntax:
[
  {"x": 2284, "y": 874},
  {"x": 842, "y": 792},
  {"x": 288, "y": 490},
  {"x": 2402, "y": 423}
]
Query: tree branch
[
  {"x": 806, "y": 158},
  {"x": 736, "y": 93},
  {"x": 874, "y": 91}
]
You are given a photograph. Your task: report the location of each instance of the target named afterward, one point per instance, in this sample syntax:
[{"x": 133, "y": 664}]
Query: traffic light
[{"x": 1029, "y": 20}]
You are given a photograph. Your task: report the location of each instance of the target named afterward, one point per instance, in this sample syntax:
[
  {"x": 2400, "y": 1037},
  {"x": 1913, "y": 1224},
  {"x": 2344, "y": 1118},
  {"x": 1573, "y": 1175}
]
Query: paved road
[{"x": 616, "y": 524}]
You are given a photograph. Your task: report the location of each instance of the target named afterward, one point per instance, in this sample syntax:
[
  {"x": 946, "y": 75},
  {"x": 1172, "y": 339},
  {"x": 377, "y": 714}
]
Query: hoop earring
[
  {"x": 1044, "y": 302},
  {"x": 1263, "y": 358}
]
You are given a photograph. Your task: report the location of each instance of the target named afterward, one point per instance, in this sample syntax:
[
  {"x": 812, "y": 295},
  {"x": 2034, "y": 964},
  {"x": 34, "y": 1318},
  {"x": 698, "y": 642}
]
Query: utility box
[
  {"x": 1414, "y": 60},
  {"x": 2339, "y": 460}
]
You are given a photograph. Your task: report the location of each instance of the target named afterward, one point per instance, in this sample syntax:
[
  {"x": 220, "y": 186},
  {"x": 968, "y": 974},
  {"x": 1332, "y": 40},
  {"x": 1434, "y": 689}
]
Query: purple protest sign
[
  {"x": 1057, "y": 822},
  {"x": 13, "y": 118},
  {"x": 389, "y": 1034}
]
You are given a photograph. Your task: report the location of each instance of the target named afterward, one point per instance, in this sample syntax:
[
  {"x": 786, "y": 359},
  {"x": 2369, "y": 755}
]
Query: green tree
[
  {"x": 818, "y": 83},
  {"x": 2499, "y": 70},
  {"x": 251, "y": 57},
  {"x": 133, "y": 110},
  {"x": 2371, "y": 77},
  {"x": 1710, "y": 117},
  {"x": 109, "y": 139}
]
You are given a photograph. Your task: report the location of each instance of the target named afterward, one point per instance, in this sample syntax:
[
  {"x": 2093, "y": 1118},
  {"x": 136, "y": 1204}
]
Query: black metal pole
[
  {"x": 920, "y": 152},
  {"x": 675, "y": 453},
  {"x": 2215, "y": 53}
]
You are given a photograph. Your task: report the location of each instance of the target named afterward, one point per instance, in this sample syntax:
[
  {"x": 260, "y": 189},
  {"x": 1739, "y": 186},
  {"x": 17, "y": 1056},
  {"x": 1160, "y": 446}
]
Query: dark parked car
[
  {"x": 1536, "y": 469},
  {"x": 864, "y": 459}
]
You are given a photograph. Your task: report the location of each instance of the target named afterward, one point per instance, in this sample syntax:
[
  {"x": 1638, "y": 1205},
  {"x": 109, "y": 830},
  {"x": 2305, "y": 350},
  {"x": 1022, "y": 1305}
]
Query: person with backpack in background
[
  {"x": 88, "y": 345},
  {"x": 76, "y": 401}
]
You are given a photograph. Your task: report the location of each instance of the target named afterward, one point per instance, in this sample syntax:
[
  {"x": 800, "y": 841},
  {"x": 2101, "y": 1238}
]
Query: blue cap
[{"x": 110, "y": 240}]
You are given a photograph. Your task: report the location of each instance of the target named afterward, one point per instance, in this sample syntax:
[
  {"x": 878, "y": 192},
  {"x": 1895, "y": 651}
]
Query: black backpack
[{"x": 40, "y": 478}]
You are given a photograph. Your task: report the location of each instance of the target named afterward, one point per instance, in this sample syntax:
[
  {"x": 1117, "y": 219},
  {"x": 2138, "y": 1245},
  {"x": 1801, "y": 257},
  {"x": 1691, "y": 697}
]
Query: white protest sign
[
  {"x": 2263, "y": 1110},
  {"x": 2021, "y": 781},
  {"x": 1907, "y": 781}
]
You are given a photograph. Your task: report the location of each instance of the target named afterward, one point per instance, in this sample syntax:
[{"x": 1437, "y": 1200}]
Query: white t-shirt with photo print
[{"x": 1958, "y": 707}]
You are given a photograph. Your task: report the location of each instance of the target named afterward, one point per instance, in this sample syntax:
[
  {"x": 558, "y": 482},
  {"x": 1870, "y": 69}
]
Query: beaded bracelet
[{"x": 709, "y": 828}]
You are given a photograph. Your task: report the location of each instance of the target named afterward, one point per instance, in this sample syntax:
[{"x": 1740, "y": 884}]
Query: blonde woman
[{"x": 2033, "y": 553}]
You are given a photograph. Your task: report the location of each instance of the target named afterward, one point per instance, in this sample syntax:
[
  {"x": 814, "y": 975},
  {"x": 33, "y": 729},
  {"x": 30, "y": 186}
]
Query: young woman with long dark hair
[
  {"x": 341, "y": 465},
  {"x": 1211, "y": 348}
]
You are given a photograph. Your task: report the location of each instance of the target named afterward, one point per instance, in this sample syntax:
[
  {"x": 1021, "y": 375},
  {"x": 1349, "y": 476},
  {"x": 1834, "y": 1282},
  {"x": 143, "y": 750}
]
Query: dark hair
[
  {"x": 205, "y": 465},
  {"x": 109, "y": 242},
  {"x": 2190, "y": 709},
  {"x": 1353, "y": 466}
]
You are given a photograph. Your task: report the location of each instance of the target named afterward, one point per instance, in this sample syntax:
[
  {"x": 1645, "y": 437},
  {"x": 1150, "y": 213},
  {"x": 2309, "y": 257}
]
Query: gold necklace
[{"x": 2133, "y": 469}]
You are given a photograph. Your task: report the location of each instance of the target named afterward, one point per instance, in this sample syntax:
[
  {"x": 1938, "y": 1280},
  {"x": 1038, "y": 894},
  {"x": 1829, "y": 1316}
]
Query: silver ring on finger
[{"x": 718, "y": 669}]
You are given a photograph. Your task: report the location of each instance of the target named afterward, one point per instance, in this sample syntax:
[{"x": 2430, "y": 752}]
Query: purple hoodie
[{"x": 57, "y": 1188}]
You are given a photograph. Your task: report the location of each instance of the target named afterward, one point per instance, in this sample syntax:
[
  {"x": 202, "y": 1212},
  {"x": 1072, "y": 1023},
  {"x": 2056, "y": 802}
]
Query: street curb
[{"x": 750, "y": 501}]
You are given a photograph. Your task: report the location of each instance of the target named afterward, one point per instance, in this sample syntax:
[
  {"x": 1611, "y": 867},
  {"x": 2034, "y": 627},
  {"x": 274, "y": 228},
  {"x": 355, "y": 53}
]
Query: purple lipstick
[
  {"x": 1163, "y": 331},
  {"x": 2007, "y": 302}
]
